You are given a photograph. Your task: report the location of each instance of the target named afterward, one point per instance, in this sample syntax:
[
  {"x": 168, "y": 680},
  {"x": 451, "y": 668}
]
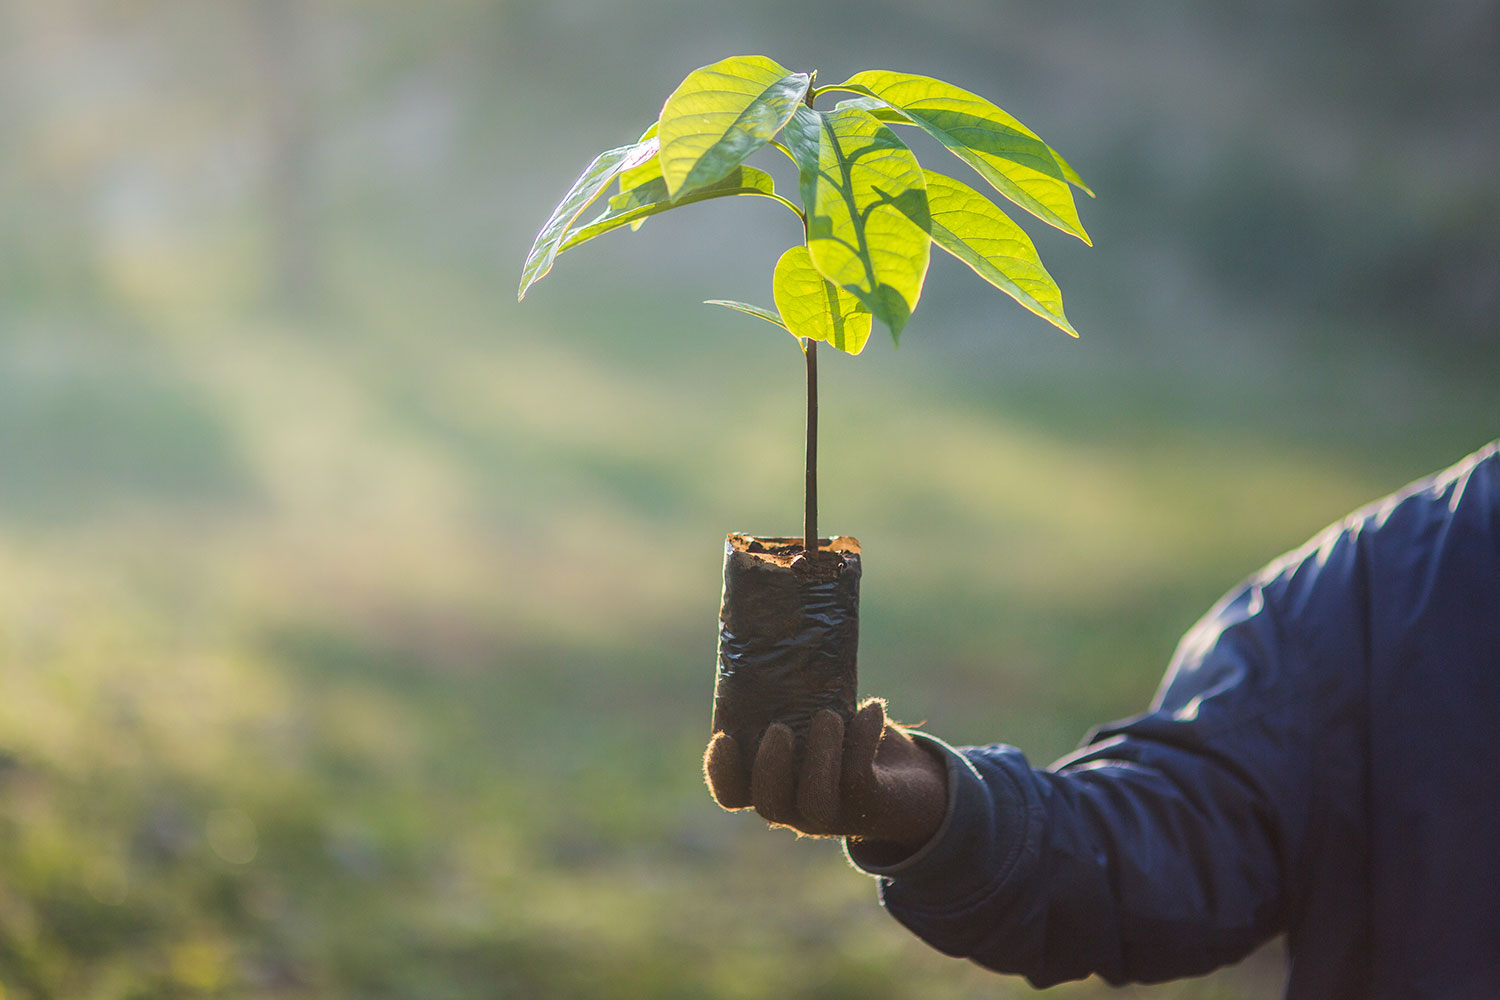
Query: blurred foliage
[{"x": 356, "y": 625}]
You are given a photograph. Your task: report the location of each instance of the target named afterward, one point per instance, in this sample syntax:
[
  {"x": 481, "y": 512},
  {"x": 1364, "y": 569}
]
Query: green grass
[{"x": 369, "y": 653}]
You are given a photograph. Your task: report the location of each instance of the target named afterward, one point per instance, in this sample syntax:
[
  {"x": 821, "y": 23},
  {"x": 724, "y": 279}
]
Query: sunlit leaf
[
  {"x": 972, "y": 228},
  {"x": 761, "y": 312},
  {"x": 881, "y": 110},
  {"x": 647, "y": 169},
  {"x": 1070, "y": 174},
  {"x": 866, "y": 208},
  {"x": 585, "y": 189},
  {"x": 650, "y": 198},
  {"x": 813, "y": 307},
  {"x": 721, "y": 114},
  {"x": 1006, "y": 153}
]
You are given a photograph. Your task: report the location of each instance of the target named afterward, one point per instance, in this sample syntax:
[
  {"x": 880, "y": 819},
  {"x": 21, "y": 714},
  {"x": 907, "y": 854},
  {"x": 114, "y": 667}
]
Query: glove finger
[
  {"x": 818, "y": 785},
  {"x": 773, "y": 778},
  {"x": 865, "y": 731},
  {"x": 724, "y": 770}
]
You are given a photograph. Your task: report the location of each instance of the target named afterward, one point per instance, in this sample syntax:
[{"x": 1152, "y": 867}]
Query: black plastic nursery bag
[{"x": 788, "y": 636}]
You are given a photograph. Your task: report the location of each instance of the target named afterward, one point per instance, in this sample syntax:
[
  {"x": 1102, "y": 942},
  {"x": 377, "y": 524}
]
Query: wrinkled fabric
[{"x": 1322, "y": 761}]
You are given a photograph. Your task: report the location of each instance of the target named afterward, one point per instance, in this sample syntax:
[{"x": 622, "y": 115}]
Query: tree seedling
[{"x": 870, "y": 212}]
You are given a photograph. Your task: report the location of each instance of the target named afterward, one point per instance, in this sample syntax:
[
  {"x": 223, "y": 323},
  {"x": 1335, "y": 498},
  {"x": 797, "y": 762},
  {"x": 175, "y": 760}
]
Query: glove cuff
[{"x": 882, "y": 857}]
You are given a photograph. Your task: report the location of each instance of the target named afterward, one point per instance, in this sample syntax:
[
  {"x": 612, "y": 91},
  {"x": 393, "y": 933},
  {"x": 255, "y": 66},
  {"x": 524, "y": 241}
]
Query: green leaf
[
  {"x": 647, "y": 169},
  {"x": 972, "y": 228},
  {"x": 815, "y": 308},
  {"x": 881, "y": 110},
  {"x": 721, "y": 114},
  {"x": 1006, "y": 153},
  {"x": 1070, "y": 174},
  {"x": 769, "y": 315},
  {"x": 866, "y": 208},
  {"x": 648, "y": 199},
  {"x": 585, "y": 189}
]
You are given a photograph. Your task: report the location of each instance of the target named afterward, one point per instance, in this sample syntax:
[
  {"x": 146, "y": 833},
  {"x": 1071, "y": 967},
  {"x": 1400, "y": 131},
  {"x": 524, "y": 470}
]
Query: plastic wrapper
[{"x": 788, "y": 636}]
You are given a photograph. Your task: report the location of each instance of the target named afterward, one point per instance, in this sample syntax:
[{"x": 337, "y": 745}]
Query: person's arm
[
  {"x": 1241, "y": 803},
  {"x": 1170, "y": 844}
]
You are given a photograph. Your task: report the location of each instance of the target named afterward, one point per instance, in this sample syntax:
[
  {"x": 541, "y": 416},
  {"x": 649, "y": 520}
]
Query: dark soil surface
[{"x": 827, "y": 563}]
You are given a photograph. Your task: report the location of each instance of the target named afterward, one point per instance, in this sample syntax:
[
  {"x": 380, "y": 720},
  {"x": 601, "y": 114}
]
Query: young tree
[{"x": 870, "y": 212}]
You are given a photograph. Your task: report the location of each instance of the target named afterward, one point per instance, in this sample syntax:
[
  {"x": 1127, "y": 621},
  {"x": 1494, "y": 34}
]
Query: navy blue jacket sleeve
[{"x": 1175, "y": 842}]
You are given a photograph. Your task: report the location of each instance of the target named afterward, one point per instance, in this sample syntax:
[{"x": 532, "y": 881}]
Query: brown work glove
[{"x": 872, "y": 783}]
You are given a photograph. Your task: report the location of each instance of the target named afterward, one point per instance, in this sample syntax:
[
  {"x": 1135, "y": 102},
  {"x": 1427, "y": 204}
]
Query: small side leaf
[
  {"x": 721, "y": 114},
  {"x": 972, "y": 228},
  {"x": 648, "y": 199},
  {"x": 814, "y": 307},
  {"x": 1006, "y": 153},
  {"x": 769, "y": 315},
  {"x": 585, "y": 189}
]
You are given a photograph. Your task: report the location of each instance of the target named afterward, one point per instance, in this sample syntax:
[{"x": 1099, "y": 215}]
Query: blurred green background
[{"x": 357, "y": 624}]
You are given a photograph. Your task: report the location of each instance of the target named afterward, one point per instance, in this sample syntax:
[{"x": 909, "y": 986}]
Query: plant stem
[
  {"x": 810, "y": 505},
  {"x": 810, "y": 349}
]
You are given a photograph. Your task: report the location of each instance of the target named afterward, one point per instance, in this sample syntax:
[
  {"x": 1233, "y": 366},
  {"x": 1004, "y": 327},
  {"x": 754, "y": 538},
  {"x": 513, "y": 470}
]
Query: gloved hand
[{"x": 872, "y": 783}]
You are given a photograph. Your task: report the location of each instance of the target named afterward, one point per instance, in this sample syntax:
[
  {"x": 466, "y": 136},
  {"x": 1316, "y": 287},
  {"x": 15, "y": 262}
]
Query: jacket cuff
[{"x": 985, "y": 823}]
